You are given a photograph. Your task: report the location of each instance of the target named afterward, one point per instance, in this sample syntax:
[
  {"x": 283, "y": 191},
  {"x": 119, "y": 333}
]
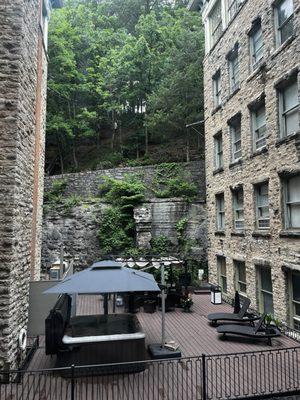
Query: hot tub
[{"x": 103, "y": 339}]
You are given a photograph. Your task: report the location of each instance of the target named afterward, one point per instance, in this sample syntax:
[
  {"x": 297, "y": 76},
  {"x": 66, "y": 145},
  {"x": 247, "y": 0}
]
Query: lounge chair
[
  {"x": 242, "y": 316},
  {"x": 255, "y": 332}
]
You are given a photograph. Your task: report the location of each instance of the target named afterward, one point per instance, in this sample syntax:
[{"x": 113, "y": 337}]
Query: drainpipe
[{"x": 38, "y": 133}]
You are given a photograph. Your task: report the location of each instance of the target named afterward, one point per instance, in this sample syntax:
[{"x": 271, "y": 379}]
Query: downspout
[{"x": 38, "y": 121}]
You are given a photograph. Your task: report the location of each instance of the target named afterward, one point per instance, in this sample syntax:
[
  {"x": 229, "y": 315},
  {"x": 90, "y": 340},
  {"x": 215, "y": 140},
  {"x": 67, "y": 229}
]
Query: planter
[
  {"x": 150, "y": 306},
  {"x": 187, "y": 309}
]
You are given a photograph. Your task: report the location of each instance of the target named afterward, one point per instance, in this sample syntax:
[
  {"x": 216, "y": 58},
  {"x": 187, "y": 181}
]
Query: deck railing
[{"x": 220, "y": 376}]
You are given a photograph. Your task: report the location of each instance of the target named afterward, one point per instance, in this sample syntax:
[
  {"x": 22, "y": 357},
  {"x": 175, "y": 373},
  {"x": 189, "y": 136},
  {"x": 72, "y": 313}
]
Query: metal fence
[{"x": 221, "y": 376}]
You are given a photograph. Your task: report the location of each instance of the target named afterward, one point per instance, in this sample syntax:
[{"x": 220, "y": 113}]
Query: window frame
[
  {"x": 256, "y": 128},
  {"x": 235, "y": 5},
  {"x": 220, "y": 212},
  {"x": 283, "y": 113},
  {"x": 259, "y": 207},
  {"x": 253, "y": 51},
  {"x": 218, "y": 151},
  {"x": 278, "y": 26},
  {"x": 222, "y": 279},
  {"x": 238, "y": 281},
  {"x": 215, "y": 32},
  {"x": 235, "y": 126},
  {"x": 294, "y": 317},
  {"x": 234, "y": 68},
  {"x": 236, "y": 209},
  {"x": 288, "y": 204},
  {"x": 261, "y": 291},
  {"x": 217, "y": 89}
]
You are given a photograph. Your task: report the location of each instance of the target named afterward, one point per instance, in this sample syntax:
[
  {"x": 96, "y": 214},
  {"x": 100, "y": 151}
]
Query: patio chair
[
  {"x": 255, "y": 332},
  {"x": 242, "y": 316}
]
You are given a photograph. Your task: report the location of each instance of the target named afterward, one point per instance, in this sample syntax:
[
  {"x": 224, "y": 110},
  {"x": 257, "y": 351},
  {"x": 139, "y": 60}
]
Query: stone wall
[
  {"x": 18, "y": 56},
  {"x": 86, "y": 184},
  {"x": 274, "y": 247},
  {"x": 77, "y": 230}
]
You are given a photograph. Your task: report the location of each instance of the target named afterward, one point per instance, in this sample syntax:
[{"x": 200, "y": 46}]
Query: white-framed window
[
  {"x": 289, "y": 109},
  {"x": 220, "y": 212},
  {"x": 238, "y": 208},
  {"x": 256, "y": 45},
  {"x": 233, "y": 7},
  {"x": 234, "y": 70},
  {"x": 236, "y": 140},
  {"x": 292, "y": 202},
  {"x": 217, "y": 88},
  {"x": 265, "y": 290},
  {"x": 262, "y": 205},
  {"x": 295, "y": 299},
  {"x": 259, "y": 127},
  {"x": 215, "y": 22},
  {"x": 218, "y": 145},
  {"x": 284, "y": 10},
  {"x": 222, "y": 273},
  {"x": 240, "y": 276}
]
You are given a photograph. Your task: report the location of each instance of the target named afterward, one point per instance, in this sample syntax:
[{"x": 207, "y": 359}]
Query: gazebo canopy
[{"x": 106, "y": 277}]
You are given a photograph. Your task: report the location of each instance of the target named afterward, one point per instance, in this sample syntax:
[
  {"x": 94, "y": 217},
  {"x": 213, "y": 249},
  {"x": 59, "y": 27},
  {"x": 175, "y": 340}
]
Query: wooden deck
[{"x": 268, "y": 371}]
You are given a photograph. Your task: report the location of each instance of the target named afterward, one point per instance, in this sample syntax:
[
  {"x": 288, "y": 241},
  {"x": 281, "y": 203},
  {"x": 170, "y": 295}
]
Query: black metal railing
[{"x": 219, "y": 376}]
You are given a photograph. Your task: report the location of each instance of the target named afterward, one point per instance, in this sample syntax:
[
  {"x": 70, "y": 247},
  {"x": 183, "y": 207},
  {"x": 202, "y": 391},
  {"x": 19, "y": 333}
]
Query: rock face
[
  {"x": 23, "y": 70},
  {"x": 77, "y": 231}
]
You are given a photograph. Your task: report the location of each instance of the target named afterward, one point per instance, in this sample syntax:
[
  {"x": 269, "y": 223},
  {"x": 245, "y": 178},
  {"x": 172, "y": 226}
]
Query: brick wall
[{"x": 269, "y": 248}]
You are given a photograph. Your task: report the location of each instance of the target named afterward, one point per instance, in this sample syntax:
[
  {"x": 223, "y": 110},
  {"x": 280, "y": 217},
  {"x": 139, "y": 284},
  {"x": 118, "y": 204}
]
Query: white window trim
[
  {"x": 257, "y": 207},
  {"x": 218, "y": 153},
  {"x": 253, "y": 61},
  {"x": 261, "y": 290},
  {"x": 217, "y": 89},
  {"x": 232, "y": 129},
  {"x": 286, "y": 206},
  {"x": 237, "y": 264},
  {"x": 283, "y": 113},
  {"x": 255, "y": 129},
  {"x": 237, "y": 209},
  {"x": 220, "y": 212},
  {"x": 277, "y": 27},
  {"x": 234, "y": 78}
]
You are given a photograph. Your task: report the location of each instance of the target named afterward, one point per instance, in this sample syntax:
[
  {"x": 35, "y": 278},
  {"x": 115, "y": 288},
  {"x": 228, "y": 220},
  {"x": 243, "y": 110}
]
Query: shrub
[{"x": 161, "y": 245}]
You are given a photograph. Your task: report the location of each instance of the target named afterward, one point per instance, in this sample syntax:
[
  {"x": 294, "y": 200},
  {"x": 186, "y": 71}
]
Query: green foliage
[
  {"x": 176, "y": 187},
  {"x": 71, "y": 202},
  {"x": 55, "y": 194},
  {"x": 114, "y": 231},
  {"x": 181, "y": 228},
  {"x": 124, "y": 75},
  {"x": 161, "y": 245},
  {"x": 117, "y": 226},
  {"x": 125, "y": 193}
]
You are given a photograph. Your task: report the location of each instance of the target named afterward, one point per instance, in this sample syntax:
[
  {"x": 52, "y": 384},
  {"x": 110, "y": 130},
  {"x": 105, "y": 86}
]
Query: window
[
  {"x": 236, "y": 142},
  {"x": 288, "y": 107},
  {"x": 256, "y": 45},
  {"x": 262, "y": 206},
  {"x": 222, "y": 277},
  {"x": 218, "y": 141},
  {"x": 217, "y": 88},
  {"x": 292, "y": 202},
  {"x": 233, "y": 6},
  {"x": 284, "y": 20},
  {"x": 215, "y": 19},
  {"x": 265, "y": 298},
  {"x": 220, "y": 212},
  {"x": 240, "y": 276},
  {"x": 238, "y": 208},
  {"x": 234, "y": 69},
  {"x": 259, "y": 127},
  {"x": 295, "y": 286}
]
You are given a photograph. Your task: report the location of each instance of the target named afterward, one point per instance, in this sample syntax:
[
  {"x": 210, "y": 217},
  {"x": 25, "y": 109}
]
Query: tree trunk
[
  {"x": 74, "y": 155},
  {"x": 146, "y": 140}
]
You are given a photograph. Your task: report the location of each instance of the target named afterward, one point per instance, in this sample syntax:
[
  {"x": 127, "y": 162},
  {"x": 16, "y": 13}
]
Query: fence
[{"x": 207, "y": 377}]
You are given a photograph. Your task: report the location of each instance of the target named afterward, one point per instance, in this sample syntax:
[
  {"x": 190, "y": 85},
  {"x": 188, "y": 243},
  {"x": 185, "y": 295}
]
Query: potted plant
[
  {"x": 186, "y": 303},
  {"x": 271, "y": 322}
]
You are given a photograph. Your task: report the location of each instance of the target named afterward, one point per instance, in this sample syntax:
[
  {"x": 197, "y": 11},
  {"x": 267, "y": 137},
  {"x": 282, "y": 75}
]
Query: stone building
[
  {"x": 23, "y": 69},
  {"x": 251, "y": 75}
]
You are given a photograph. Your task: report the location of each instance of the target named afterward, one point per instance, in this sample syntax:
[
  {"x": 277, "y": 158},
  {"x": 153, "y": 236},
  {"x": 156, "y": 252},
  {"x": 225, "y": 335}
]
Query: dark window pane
[{"x": 296, "y": 287}]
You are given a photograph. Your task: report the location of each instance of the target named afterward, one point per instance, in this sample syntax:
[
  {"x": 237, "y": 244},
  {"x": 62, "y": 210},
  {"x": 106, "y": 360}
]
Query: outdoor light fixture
[{"x": 216, "y": 295}]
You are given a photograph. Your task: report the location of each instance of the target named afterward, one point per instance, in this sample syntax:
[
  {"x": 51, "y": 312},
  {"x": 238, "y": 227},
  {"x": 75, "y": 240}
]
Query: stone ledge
[
  {"x": 236, "y": 163},
  {"x": 219, "y": 233},
  {"x": 265, "y": 234},
  {"x": 263, "y": 150},
  {"x": 291, "y": 234},
  {"x": 235, "y": 233},
  {"x": 283, "y": 46},
  {"x": 216, "y": 109},
  {"x": 287, "y": 139},
  {"x": 259, "y": 69},
  {"x": 218, "y": 170}
]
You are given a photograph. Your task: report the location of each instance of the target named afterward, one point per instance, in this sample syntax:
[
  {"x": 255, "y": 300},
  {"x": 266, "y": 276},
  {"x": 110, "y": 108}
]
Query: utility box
[{"x": 57, "y": 270}]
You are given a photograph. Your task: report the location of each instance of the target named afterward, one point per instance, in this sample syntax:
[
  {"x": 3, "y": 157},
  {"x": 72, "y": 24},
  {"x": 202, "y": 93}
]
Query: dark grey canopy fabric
[{"x": 106, "y": 277}]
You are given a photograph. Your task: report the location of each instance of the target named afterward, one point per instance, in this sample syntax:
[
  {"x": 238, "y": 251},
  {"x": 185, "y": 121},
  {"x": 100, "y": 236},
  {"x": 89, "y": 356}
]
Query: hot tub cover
[{"x": 106, "y": 277}]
